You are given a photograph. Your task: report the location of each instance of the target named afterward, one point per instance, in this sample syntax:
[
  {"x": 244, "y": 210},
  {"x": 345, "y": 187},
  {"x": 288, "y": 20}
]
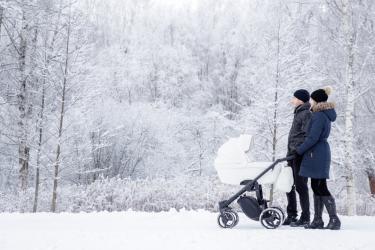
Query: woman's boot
[
  {"x": 317, "y": 222},
  {"x": 334, "y": 221}
]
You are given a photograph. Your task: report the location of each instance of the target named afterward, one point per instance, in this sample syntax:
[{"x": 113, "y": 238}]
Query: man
[{"x": 297, "y": 134}]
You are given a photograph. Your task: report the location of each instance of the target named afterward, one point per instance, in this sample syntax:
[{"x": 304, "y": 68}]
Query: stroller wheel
[
  {"x": 282, "y": 213},
  {"x": 236, "y": 218},
  {"x": 271, "y": 218},
  {"x": 227, "y": 219}
]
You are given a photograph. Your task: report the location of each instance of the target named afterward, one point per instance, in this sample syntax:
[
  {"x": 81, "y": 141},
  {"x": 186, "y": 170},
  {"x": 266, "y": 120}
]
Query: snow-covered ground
[{"x": 170, "y": 230}]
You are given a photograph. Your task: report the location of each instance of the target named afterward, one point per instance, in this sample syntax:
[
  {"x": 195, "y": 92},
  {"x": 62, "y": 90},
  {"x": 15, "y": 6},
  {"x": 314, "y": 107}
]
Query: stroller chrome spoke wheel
[
  {"x": 271, "y": 218},
  {"x": 227, "y": 219},
  {"x": 236, "y": 218},
  {"x": 282, "y": 213}
]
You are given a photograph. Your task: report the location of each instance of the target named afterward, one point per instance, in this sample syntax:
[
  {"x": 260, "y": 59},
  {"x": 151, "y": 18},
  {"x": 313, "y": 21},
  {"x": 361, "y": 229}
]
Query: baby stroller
[{"x": 235, "y": 167}]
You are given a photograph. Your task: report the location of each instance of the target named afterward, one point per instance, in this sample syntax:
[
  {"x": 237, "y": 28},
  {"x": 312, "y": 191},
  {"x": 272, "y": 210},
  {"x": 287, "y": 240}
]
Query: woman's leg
[
  {"x": 330, "y": 204},
  {"x": 319, "y": 186},
  {"x": 317, "y": 223},
  {"x": 315, "y": 186}
]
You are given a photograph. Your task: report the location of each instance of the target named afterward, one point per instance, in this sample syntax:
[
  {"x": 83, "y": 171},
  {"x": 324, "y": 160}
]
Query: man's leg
[
  {"x": 292, "y": 202},
  {"x": 303, "y": 193}
]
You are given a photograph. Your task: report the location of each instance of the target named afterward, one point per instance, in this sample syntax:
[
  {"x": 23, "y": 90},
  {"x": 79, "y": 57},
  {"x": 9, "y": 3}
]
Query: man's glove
[
  {"x": 290, "y": 163},
  {"x": 292, "y": 153}
]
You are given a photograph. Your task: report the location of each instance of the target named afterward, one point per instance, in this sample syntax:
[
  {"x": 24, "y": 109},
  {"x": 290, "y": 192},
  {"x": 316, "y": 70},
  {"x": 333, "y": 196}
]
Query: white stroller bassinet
[{"x": 233, "y": 165}]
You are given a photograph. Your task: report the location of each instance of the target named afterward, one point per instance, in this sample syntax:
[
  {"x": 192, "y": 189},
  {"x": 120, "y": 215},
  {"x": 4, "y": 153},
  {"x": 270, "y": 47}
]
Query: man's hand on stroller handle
[
  {"x": 288, "y": 158},
  {"x": 291, "y": 156}
]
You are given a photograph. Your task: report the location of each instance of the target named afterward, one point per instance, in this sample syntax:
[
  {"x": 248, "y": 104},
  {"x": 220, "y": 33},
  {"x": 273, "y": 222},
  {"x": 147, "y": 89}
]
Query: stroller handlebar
[{"x": 288, "y": 158}]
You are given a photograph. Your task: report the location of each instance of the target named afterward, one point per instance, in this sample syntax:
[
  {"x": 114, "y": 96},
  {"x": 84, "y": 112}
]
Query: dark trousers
[
  {"x": 319, "y": 187},
  {"x": 300, "y": 185}
]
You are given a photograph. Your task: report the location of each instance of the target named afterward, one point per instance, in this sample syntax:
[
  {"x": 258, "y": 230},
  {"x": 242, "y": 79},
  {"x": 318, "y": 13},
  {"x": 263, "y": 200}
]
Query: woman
[{"x": 317, "y": 158}]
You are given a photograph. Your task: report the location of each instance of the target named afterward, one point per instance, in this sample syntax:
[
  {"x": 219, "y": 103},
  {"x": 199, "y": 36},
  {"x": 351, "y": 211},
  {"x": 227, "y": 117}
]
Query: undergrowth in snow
[{"x": 156, "y": 194}]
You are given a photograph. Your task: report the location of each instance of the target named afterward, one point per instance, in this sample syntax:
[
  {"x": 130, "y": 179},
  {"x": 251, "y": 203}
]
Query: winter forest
[{"x": 116, "y": 105}]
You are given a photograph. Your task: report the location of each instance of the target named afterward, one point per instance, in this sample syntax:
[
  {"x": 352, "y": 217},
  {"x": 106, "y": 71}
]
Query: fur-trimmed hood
[
  {"x": 323, "y": 106},
  {"x": 327, "y": 108}
]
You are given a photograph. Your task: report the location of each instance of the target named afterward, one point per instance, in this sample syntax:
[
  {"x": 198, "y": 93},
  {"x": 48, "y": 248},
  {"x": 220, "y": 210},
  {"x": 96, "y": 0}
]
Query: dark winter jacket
[
  {"x": 298, "y": 132},
  {"x": 315, "y": 149}
]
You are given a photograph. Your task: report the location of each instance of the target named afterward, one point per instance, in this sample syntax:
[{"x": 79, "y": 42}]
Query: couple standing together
[{"x": 307, "y": 141}]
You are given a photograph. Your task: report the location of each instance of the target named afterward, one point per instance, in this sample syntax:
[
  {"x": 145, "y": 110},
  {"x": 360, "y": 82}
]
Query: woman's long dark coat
[{"x": 315, "y": 149}]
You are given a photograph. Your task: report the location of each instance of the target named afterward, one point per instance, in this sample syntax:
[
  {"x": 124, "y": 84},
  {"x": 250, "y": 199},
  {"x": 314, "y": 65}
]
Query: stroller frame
[{"x": 256, "y": 209}]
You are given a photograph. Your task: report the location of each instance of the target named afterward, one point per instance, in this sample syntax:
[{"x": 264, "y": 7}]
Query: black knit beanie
[
  {"x": 321, "y": 95},
  {"x": 302, "y": 94}
]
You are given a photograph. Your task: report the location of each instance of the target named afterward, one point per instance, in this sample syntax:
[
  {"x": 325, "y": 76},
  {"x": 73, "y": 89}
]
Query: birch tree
[
  {"x": 347, "y": 28},
  {"x": 350, "y": 103}
]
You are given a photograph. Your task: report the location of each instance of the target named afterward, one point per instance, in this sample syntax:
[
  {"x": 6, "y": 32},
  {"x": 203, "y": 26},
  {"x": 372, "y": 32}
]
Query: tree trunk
[
  {"x": 40, "y": 128},
  {"x": 276, "y": 99},
  {"x": 61, "y": 122},
  {"x": 48, "y": 48},
  {"x": 349, "y": 110},
  {"x": 23, "y": 149},
  {"x": 371, "y": 179},
  {"x": 1, "y": 18}
]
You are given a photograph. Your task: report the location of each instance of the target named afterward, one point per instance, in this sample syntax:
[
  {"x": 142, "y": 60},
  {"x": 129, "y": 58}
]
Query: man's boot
[
  {"x": 317, "y": 222},
  {"x": 290, "y": 219},
  {"x": 334, "y": 221},
  {"x": 303, "y": 221},
  {"x": 291, "y": 208}
]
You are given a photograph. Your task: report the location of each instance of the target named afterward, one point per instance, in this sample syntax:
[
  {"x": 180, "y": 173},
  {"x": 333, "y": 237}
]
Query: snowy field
[{"x": 169, "y": 230}]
